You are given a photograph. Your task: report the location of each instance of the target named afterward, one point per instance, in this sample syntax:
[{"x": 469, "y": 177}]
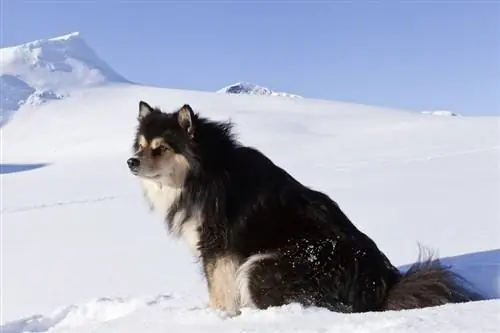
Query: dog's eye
[
  {"x": 158, "y": 151},
  {"x": 163, "y": 148}
]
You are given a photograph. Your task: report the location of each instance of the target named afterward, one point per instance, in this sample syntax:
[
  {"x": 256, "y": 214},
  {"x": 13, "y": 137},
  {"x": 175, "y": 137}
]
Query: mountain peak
[
  {"x": 47, "y": 69},
  {"x": 63, "y": 38},
  {"x": 248, "y": 88},
  {"x": 58, "y": 63},
  {"x": 74, "y": 34}
]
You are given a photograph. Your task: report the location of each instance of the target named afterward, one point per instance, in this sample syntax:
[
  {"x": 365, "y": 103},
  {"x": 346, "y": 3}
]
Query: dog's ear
[
  {"x": 185, "y": 116},
  {"x": 144, "y": 110}
]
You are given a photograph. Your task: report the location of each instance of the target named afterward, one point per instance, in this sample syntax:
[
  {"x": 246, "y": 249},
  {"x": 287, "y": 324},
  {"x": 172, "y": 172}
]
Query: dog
[{"x": 262, "y": 238}]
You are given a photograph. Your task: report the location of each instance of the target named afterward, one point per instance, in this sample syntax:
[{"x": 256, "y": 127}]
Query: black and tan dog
[{"x": 263, "y": 238}]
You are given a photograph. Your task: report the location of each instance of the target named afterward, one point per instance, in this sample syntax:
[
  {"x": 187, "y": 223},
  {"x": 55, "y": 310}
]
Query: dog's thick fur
[{"x": 262, "y": 237}]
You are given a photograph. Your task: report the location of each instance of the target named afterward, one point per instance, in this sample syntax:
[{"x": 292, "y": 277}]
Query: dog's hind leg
[
  {"x": 246, "y": 280},
  {"x": 320, "y": 273},
  {"x": 266, "y": 280}
]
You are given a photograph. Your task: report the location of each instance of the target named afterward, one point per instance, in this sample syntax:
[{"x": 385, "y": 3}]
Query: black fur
[
  {"x": 250, "y": 206},
  {"x": 429, "y": 283}
]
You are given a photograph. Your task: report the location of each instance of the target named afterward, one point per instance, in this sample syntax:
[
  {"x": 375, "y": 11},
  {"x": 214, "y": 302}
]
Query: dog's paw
[{"x": 228, "y": 312}]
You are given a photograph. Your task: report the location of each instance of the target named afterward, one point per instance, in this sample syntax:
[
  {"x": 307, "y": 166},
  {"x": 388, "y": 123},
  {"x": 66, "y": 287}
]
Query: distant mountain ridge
[
  {"x": 44, "y": 70},
  {"x": 248, "y": 88},
  {"x": 47, "y": 69}
]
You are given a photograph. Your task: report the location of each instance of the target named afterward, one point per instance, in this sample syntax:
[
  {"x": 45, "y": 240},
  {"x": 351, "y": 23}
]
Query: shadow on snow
[
  {"x": 6, "y": 168},
  {"x": 480, "y": 269}
]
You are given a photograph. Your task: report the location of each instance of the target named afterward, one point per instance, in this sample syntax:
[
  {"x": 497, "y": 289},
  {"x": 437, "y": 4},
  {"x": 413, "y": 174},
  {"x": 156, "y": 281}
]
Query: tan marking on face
[
  {"x": 142, "y": 142},
  {"x": 157, "y": 142},
  {"x": 181, "y": 168},
  {"x": 221, "y": 278},
  {"x": 177, "y": 167}
]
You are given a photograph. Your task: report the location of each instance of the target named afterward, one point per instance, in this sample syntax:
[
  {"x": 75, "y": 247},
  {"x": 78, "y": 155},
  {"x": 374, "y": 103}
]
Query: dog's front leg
[{"x": 221, "y": 279}]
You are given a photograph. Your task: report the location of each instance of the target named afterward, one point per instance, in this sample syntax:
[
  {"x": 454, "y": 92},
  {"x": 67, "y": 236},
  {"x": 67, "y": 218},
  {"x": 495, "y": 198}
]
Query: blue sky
[{"x": 416, "y": 55}]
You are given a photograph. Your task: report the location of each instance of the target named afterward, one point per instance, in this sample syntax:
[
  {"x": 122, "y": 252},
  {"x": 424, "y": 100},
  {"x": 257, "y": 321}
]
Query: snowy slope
[
  {"x": 80, "y": 246},
  {"x": 82, "y": 253},
  {"x": 49, "y": 69},
  {"x": 248, "y": 88}
]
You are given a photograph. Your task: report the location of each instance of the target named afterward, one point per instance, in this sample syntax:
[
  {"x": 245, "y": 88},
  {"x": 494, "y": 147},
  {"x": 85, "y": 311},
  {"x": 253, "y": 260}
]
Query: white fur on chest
[
  {"x": 161, "y": 198},
  {"x": 187, "y": 230}
]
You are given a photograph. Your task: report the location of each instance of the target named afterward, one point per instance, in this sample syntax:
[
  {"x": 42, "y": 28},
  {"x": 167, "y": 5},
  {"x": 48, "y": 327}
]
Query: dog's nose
[{"x": 133, "y": 162}]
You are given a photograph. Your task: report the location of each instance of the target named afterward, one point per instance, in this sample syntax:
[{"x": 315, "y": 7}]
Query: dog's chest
[
  {"x": 187, "y": 229},
  {"x": 161, "y": 198}
]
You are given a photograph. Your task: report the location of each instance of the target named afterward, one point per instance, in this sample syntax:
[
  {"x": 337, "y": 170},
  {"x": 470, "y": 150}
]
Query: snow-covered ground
[
  {"x": 77, "y": 231},
  {"x": 82, "y": 253}
]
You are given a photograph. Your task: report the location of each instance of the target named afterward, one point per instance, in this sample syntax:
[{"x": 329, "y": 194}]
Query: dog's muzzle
[{"x": 133, "y": 163}]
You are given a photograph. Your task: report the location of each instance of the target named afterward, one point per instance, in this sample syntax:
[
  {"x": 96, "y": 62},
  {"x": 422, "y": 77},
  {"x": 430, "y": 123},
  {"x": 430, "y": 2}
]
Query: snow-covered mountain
[
  {"x": 443, "y": 113},
  {"x": 48, "y": 69},
  {"x": 253, "y": 89}
]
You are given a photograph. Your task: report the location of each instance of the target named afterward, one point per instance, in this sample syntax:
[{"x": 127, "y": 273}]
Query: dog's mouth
[
  {"x": 139, "y": 174},
  {"x": 152, "y": 176}
]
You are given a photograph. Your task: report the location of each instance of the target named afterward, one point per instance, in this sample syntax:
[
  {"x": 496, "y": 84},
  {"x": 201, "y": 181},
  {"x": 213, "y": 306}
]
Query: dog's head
[{"x": 160, "y": 142}]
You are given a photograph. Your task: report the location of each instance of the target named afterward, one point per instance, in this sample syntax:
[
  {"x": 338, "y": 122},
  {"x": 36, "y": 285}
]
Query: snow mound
[
  {"x": 49, "y": 69},
  {"x": 253, "y": 89},
  {"x": 75, "y": 316},
  {"x": 165, "y": 314}
]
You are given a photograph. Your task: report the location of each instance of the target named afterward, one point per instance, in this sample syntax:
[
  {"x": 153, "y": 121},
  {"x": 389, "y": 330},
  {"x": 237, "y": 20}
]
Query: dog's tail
[{"x": 429, "y": 283}]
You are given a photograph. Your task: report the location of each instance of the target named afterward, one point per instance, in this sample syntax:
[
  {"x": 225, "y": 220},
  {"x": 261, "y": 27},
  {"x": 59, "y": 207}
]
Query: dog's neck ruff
[{"x": 162, "y": 198}]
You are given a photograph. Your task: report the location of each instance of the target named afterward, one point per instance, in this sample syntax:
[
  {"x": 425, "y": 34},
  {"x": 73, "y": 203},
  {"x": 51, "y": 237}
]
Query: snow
[
  {"x": 13, "y": 92},
  {"x": 82, "y": 253},
  {"x": 248, "y": 88},
  {"x": 441, "y": 113},
  {"x": 166, "y": 314}
]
